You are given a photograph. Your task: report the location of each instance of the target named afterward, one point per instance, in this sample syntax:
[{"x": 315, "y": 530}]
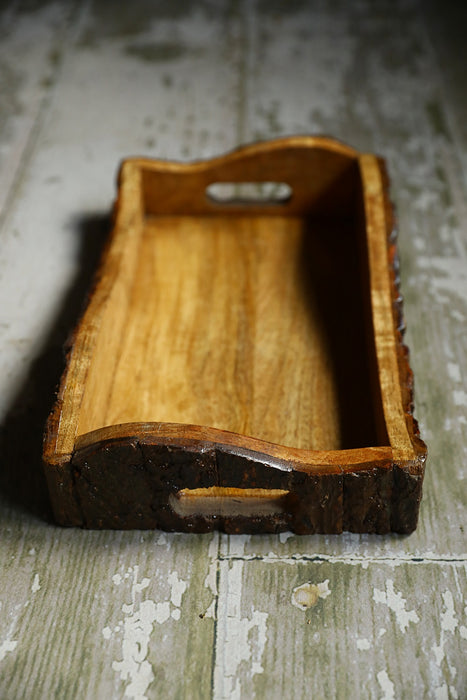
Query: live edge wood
[{"x": 241, "y": 365}]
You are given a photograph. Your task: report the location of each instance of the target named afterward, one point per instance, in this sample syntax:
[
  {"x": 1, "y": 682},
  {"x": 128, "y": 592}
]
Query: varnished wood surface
[
  {"x": 219, "y": 332},
  {"x": 394, "y": 622},
  {"x": 234, "y": 322}
]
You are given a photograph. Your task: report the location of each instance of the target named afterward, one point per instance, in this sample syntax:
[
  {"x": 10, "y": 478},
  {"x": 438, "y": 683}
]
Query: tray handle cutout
[
  {"x": 244, "y": 193},
  {"x": 228, "y": 502}
]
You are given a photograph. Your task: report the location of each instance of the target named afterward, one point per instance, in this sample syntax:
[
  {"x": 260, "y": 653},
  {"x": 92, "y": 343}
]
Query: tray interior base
[{"x": 252, "y": 324}]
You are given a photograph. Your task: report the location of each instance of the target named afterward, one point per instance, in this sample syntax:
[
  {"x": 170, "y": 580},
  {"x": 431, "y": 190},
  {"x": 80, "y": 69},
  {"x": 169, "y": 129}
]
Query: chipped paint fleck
[
  {"x": 134, "y": 668},
  {"x": 178, "y": 588},
  {"x": 307, "y": 595},
  {"x": 454, "y": 371},
  {"x": 386, "y": 685},
  {"x": 460, "y": 397},
  {"x": 449, "y": 621},
  {"x": 396, "y": 603},
  {"x": 363, "y": 644},
  {"x": 7, "y": 646}
]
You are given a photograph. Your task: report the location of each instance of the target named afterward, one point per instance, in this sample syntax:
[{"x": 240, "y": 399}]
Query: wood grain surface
[
  {"x": 148, "y": 615},
  {"x": 203, "y": 344},
  {"x": 228, "y": 320}
]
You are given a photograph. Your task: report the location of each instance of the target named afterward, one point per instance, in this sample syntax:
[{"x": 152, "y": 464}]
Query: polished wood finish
[{"x": 253, "y": 346}]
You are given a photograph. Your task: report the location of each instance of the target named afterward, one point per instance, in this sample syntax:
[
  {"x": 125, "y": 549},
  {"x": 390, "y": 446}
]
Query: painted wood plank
[
  {"x": 95, "y": 614},
  {"x": 313, "y": 628}
]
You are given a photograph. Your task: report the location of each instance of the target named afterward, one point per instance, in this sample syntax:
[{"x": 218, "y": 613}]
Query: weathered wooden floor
[{"x": 150, "y": 615}]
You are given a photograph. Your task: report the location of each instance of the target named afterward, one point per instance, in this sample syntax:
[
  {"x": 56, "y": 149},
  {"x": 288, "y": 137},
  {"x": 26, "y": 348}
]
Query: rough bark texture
[{"x": 125, "y": 485}]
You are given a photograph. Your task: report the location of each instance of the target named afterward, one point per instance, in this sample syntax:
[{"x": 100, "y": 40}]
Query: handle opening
[
  {"x": 229, "y": 502},
  {"x": 253, "y": 193}
]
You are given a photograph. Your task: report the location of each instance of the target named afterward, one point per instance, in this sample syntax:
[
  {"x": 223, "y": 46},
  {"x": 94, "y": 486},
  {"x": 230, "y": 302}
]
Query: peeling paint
[
  {"x": 454, "y": 371},
  {"x": 210, "y": 581},
  {"x": 449, "y": 624},
  {"x": 460, "y": 397},
  {"x": 211, "y": 578},
  {"x": 35, "y": 584},
  {"x": 239, "y": 639},
  {"x": 363, "y": 644},
  {"x": 396, "y": 603},
  {"x": 386, "y": 685},
  {"x": 448, "y": 618},
  {"x": 7, "y": 646},
  {"x": 211, "y": 611},
  {"x": 134, "y": 668},
  {"x": 178, "y": 588}
]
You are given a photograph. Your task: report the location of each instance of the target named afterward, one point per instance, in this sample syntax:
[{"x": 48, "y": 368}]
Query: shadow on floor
[{"x": 22, "y": 481}]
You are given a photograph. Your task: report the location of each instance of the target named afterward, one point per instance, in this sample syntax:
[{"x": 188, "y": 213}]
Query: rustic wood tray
[{"x": 240, "y": 363}]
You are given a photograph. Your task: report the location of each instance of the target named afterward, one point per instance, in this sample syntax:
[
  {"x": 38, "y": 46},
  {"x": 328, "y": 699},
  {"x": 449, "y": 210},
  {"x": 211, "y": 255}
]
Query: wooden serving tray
[{"x": 240, "y": 364}]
